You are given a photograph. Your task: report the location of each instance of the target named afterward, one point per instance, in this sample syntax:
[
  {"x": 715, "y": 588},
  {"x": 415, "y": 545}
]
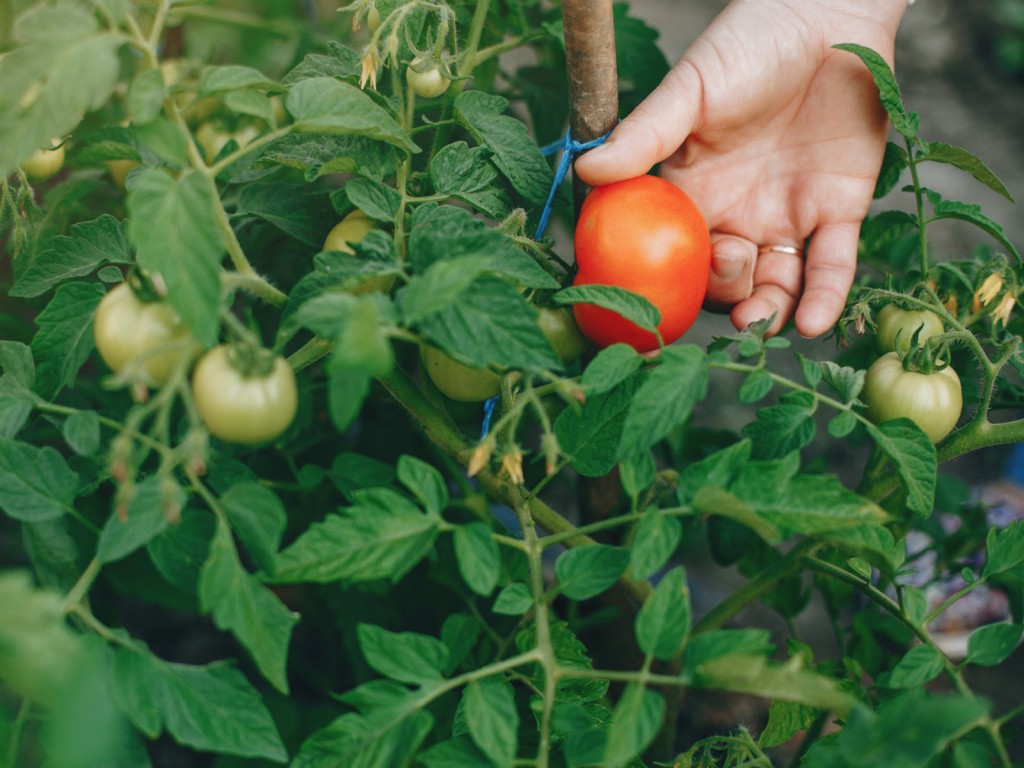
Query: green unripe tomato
[
  {"x": 456, "y": 380},
  {"x": 896, "y": 327},
  {"x": 933, "y": 401},
  {"x": 44, "y": 163},
  {"x": 244, "y": 407},
  {"x": 128, "y": 330},
  {"x": 352, "y": 229},
  {"x": 559, "y": 327},
  {"x": 426, "y": 78}
]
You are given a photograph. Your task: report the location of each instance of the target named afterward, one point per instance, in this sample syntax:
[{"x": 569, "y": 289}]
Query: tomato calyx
[
  {"x": 147, "y": 287},
  {"x": 251, "y": 360}
]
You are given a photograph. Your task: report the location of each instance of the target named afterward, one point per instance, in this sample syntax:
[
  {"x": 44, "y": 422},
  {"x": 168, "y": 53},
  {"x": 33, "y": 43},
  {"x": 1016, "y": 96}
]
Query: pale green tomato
[
  {"x": 128, "y": 330},
  {"x": 44, "y": 163},
  {"x": 426, "y": 78},
  {"x": 896, "y": 327},
  {"x": 933, "y": 401},
  {"x": 352, "y": 229},
  {"x": 240, "y": 408},
  {"x": 456, "y": 380}
]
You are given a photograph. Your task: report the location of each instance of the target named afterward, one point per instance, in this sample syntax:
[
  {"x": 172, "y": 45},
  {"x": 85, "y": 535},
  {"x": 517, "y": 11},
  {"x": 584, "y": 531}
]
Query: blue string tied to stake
[{"x": 570, "y": 150}]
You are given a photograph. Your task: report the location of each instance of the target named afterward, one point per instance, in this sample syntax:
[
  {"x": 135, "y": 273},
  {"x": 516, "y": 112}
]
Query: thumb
[{"x": 650, "y": 133}]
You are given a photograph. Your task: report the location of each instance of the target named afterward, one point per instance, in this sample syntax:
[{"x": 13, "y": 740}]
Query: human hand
[{"x": 777, "y": 137}]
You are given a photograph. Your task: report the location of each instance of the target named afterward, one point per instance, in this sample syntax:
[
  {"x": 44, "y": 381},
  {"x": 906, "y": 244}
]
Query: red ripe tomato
[{"x": 647, "y": 236}]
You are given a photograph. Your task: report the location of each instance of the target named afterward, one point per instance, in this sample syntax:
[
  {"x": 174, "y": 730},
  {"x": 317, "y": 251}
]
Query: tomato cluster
[
  {"x": 931, "y": 398},
  {"x": 243, "y": 395}
]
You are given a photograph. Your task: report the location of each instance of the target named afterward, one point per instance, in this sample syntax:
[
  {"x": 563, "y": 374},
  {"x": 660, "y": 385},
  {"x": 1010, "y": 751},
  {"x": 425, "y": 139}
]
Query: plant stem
[
  {"x": 922, "y": 221},
  {"x": 81, "y": 588},
  {"x": 17, "y": 729}
]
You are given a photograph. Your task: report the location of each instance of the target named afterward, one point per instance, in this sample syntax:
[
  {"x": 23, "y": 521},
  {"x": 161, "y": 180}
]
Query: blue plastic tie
[{"x": 570, "y": 149}]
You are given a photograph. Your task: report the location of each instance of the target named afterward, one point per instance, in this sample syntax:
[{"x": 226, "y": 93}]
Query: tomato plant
[
  {"x": 646, "y": 236},
  {"x": 897, "y": 327},
  {"x": 242, "y": 400},
  {"x": 931, "y": 400},
  {"x": 308, "y": 551},
  {"x": 149, "y": 335}
]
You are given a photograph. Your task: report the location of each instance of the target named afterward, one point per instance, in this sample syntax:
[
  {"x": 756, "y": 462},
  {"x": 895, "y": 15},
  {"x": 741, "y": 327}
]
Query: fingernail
[{"x": 727, "y": 266}]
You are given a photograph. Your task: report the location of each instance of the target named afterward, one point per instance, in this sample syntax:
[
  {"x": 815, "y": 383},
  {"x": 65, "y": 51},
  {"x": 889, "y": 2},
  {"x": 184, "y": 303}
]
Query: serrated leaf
[
  {"x": 149, "y": 512},
  {"x": 64, "y": 340},
  {"x": 242, "y": 605},
  {"x": 514, "y": 152},
  {"x": 936, "y": 151},
  {"x": 380, "y": 738},
  {"x": 303, "y": 213},
  {"x": 88, "y": 245},
  {"x": 888, "y": 89},
  {"x": 949, "y": 209},
  {"x": 610, "y": 367},
  {"x": 663, "y": 623},
  {"x": 635, "y": 722},
  {"x": 913, "y": 455},
  {"x": 632, "y": 306},
  {"x": 36, "y": 483},
  {"x": 180, "y": 551},
  {"x": 920, "y": 665},
  {"x": 340, "y": 62},
  {"x": 382, "y": 536},
  {"x": 258, "y": 518},
  {"x": 173, "y": 226},
  {"x": 665, "y": 399},
  {"x": 586, "y": 572},
  {"x": 590, "y": 435},
  {"x": 478, "y": 557},
  {"x": 329, "y": 106},
  {"x": 211, "y": 708},
  {"x": 424, "y": 482},
  {"x": 377, "y": 200},
  {"x": 778, "y": 430},
  {"x": 408, "y": 657},
  {"x": 233, "y": 77},
  {"x": 492, "y": 718},
  {"x": 755, "y": 386}
]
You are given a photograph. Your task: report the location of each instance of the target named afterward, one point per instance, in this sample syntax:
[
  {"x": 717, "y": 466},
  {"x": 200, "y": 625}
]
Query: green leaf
[
  {"x": 665, "y": 399},
  {"x": 64, "y": 340},
  {"x": 492, "y": 324},
  {"x": 431, "y": 292},
  {"x": 19, "y": 369},
  {"x": 89, "y": 245},
  {"x": 234, "y": 77},
  {"x": 938, "y": 152},
  {"x": 1004, "y": 552},
  {"x": 948, "y": 209},
  {"x": 164, "y": 140},
  {"x": 710, "y": 500},
  {"x": 468, "y": 175},
  {"x": 663, "y": 623},
  {"x": 778, "y": 430},
  {"x": 842, "y": 424},
  {"x": 258, "y": 518},
  {"x": 155, "y": 503},
  {"x": 446, "y": 232},
  {"x": 382, "y": 536},
  {"x": 920, "y": 665},
  {"x": 379, "y": 738},
  {"x": 180, "y": 551},
  {"x": 513, "y": 600},
  {"x": 82, "y": 432},
  {"x": 377, "y": 200},
  {"x": 342, "y": 62},
  {"x": 724, "y": 643},
  {"x": 894, "y": 162},
  {"x": 656, "y": 539},
  {"x": 888, "y": 89},
  {"x": 756, "y": 386},
  {"x": 329, "y": 106},
  {"x": 67, "y": 67},
  {"x": 321, "y": 155},
  {"x": 242, "y": 605},
  {"x": 492, "y": 718},
  {"x": 590, "y": 435},
  {"x": 635, "y": 722},
  {"x": 174, "y": 228},
  {"x": 478, "y": 557},
  {"x": 992, "y": 645},
  {"x": 15, "y": 408},
  {"x": 303, "y": 213},
  {"x": 514, "y": 152},
  {"x": 719, "y": 469},
  {"x": 36, "y": 484},
  {"x": 211, "y": 708},
  {"x": 145, "y": 96},
  {"x": 407, "y": 657},
  {"x": 632, "y": 306},
  {"x": 758, "y": 676},
  {"x": 424, "y": 482},
  {"x": 785, "y": 720},
  {"x": 586, "y": 572},
  {"x": 610, "y": 367},
  {"x": 459, "y": 752},
  {"x": 913, "y": 456}
]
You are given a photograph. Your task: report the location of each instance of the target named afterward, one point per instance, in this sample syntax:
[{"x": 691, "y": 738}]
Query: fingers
[
  {"x": 650, "y": 133},
  {"x": 831, "y": 264},
  {"x": 778, "y": 280},
  {"x": 732, "y": 271}
]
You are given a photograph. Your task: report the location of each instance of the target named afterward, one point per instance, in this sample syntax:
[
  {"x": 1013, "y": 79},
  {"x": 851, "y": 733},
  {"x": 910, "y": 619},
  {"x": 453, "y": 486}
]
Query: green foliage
[{"x": 386, "y": 583}]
